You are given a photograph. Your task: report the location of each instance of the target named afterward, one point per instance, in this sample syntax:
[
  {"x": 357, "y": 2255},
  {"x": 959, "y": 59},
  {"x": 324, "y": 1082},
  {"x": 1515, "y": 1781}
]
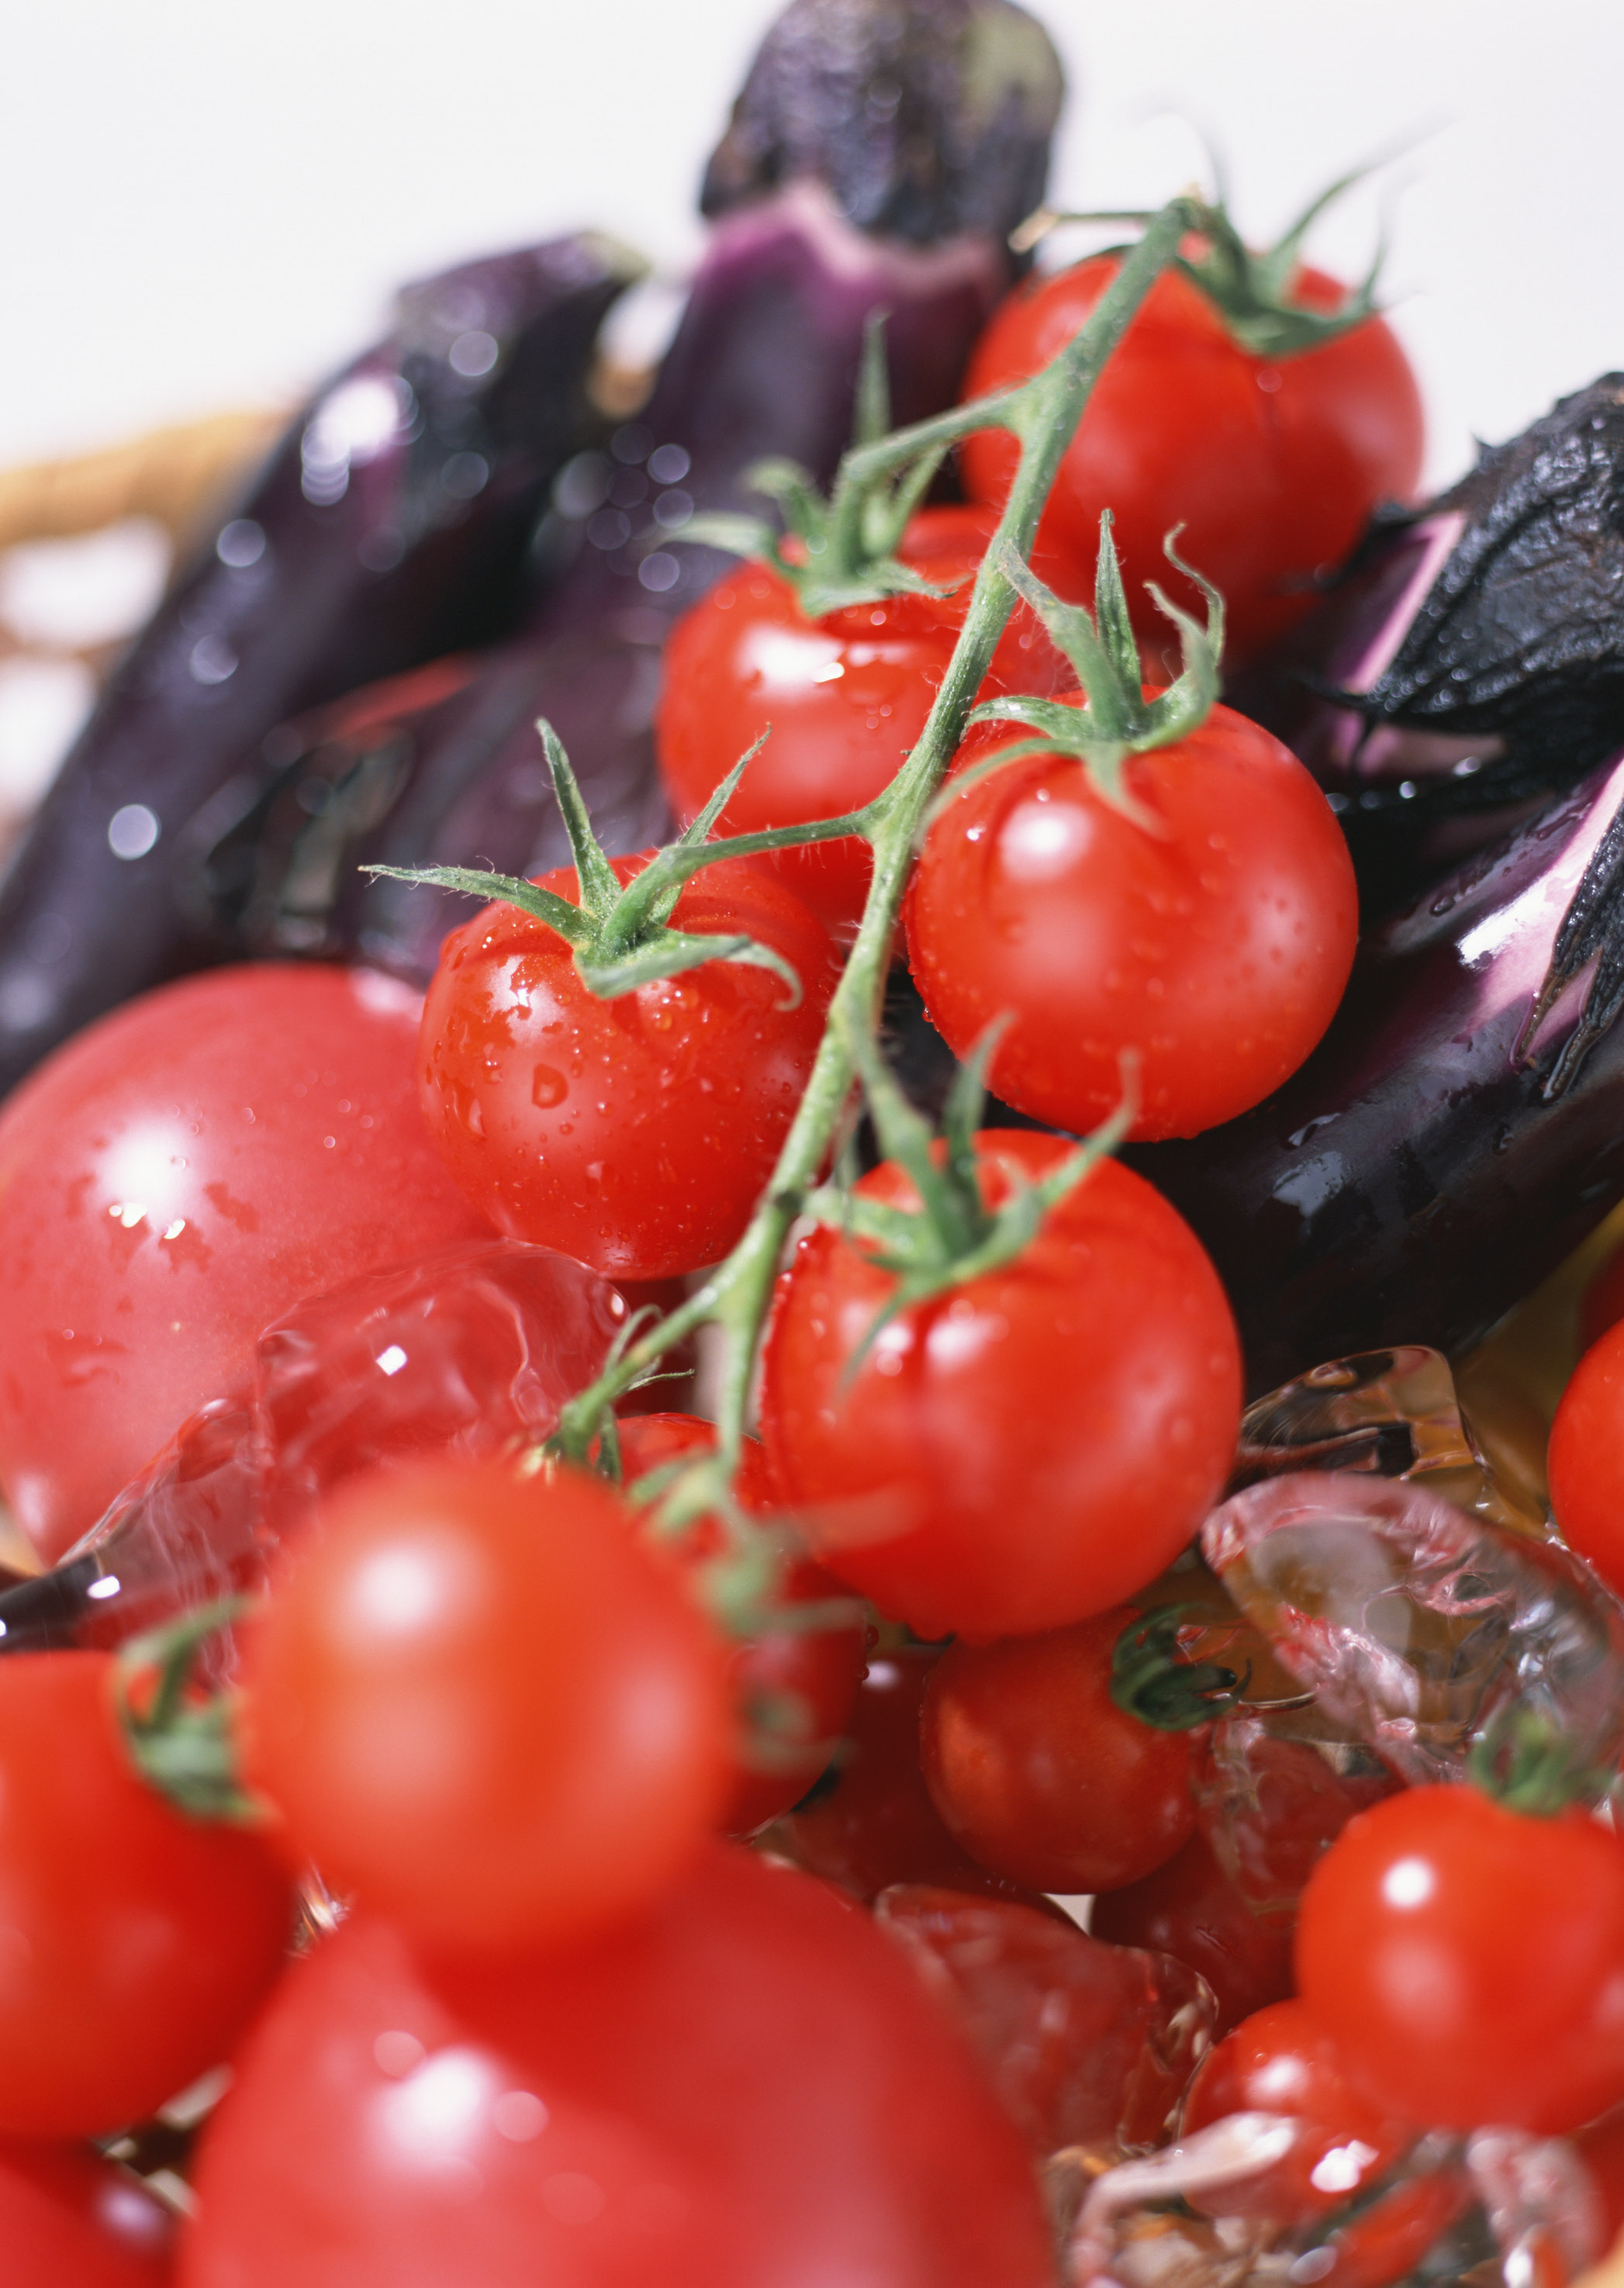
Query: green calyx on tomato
[
  {"x": 619, "y": 934},
  {"x": 954, "y": 1235},
  {"x": 1118, "y": 719},
  {"x": 180, "y": 1738},
  {"x": 841, "y": 550},
  {"x": 1523, "y": 1760},
  {"x": 1152, "y": 1680}
]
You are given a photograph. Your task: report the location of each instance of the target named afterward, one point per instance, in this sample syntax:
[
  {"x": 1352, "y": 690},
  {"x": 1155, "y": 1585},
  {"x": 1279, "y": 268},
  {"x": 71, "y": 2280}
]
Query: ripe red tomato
[
  {"x": 172, "y": 1181},
  {"x": 1586, "y": 1458},
  {"x": 1189, "y": 1909},
  {"x": 135, "y": 1943},
  {"x": 869, "y": 1822},
  {"x": 750, "y": 2089},
  {"x": 635, "y": 1133},
  {"x": 1027, "y": 1448},
  {"x": 1216, "y": 943},
  {"x": 793, "y": 1688},
  {"x": 1038, "y": 1772},
  {"x": 1468, "y": 1961},
  {"x": 475, "y": 1701},
  {"x": 846, "y": 696},
  {"x": 1272, "y": 466},
  {"x": 70, "y": 2219},
  {"x": 1279, "y": 2061}
]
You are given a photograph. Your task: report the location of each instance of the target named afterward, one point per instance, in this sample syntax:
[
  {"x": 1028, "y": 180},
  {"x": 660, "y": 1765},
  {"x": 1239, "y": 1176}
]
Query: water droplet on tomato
[{"x": 548, "y": 1087}]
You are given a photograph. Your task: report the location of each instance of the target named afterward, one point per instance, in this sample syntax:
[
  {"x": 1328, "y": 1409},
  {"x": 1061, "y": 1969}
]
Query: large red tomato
[
  {"x": 170, "y": 1183},
  {"x": 476, "y": 1702},
  {"x": 634, "y": 1133},
  {"x": 1270, "y": 465},
  {"x": 1215, "y": 939},
  {"x": 845, "y": 697},
  {"x": 752, "y": 2090},
  {"x": 1027, "y": 1448},
  {"x": 1468, "y": 1961}
]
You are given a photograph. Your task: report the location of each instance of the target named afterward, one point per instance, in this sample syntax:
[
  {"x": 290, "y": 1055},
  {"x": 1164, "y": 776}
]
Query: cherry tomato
[
  {"x": 1468, "y": 1961},
  {"x": 70, "y": 2219},
  {"x": 1191, "y": 1909},
  {"x": 1215, "y": 942},
  {"x": 1600, "y": 2146},
  {"x": 172, "y": 1181},
  {"x": 1586, "y": 1458},
  {"x": 135, "y": 1943},
  {"x": 846, "y": 697},
  {"x": 634, "y": 1133},
  {"x": 793, "y": 1688},
  {"x": 1279, "y": 2061},
  {"x": 1038, "y": 1772},
  {"x": 476, "y": 1702},
  {"x": 1270, "y": 1806},
  {"x": 1270, "y": 465},
  {"x": 747, "y": 2089},
  {"x": 1027, "y": 1448},
  {"x": 869, "y": 1821}
]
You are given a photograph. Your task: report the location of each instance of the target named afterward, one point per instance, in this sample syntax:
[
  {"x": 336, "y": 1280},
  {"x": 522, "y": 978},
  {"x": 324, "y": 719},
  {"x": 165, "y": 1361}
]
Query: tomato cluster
[{"x": 510, "y": 1712}]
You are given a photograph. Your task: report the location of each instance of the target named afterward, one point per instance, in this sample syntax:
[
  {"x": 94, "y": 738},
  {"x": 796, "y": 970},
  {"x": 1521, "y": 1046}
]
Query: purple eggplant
[
  {"x": 877, "y": 159},
  {"x": 391, "y": 524},
  {"x": 1457, "y": 1130},
  {"x": 1469, "y": 661}
]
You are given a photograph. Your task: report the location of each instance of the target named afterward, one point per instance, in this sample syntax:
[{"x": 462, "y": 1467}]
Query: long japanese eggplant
[
  {"x": 1460, "y": 1128},
  {"x": 1469, "y": 661},
  {"x": 877, "y": 158},
  {"x": 391, "y": 524}
]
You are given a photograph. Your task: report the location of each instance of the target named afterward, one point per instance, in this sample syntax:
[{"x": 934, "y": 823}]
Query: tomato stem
[{"x": 1043, "y": 414}]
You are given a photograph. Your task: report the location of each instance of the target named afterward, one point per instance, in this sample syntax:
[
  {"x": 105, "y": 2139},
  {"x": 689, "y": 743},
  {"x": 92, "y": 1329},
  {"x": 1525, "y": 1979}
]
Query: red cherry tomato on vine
[
  {"x": 1468, "y": 1961},
  {"x": 846, "y": 696},
  {"x": 135, "y": 1943},
  {"x": 1271, "y": 466},
  {"x": 634, "y": 1134},
  {"x": 1586, "y": 1458},
  {"x": 793, "y": 1688},
  {"x": 1215, "y": 942},
  {"x": 748, "y": 2088},
  {"x": 172, "y": 1181},
  {"x": 1279, "y": 2061},
  {"x": 1026, "y": 1448},
  {"x": 476, "y": 1702},
  {"x": 1038, "y": 1772}
]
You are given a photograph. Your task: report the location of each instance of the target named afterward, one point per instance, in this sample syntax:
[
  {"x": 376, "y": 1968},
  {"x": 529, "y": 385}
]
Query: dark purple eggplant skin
[
  {"x": 1468, "y": 662},
  {"x": 391, "y": 523},
  {"x": 1437, "y": 1155},
  {"x": 878, "y": 157}
]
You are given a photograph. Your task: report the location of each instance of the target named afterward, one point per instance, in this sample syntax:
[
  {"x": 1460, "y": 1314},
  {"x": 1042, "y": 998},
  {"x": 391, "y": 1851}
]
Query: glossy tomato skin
[
  {"x": 475, "y": 1701},
  {"x": 751, "y": 2090},
  {"x": 1024, "y": 1450},
  {"x": 1586, "y": 1458},
  {"x": 138, "y": 1941},
  {"x": 1468, "y": 1962},
  {"x": 70, "y": 2219},
  {"x": 1272, "y": 466},
  {"x": 1279, "y": 2061},
  {"x": 793, "y": 1687},
  {"x": 172, "y": 1181},
  {"x": 1189, "y": 1909},
  {"x": 869, "y": 1823},
  {"x": 634, "y": 1133},
  {"x": 846, "y": 697},
  {"x": 1037, "y": 1771},
  {"x": 1215, "y": 944}
]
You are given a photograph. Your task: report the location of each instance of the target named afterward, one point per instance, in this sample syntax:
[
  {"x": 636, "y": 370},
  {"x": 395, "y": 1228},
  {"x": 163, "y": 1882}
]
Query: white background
[{"x": 206, "y": 202}]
